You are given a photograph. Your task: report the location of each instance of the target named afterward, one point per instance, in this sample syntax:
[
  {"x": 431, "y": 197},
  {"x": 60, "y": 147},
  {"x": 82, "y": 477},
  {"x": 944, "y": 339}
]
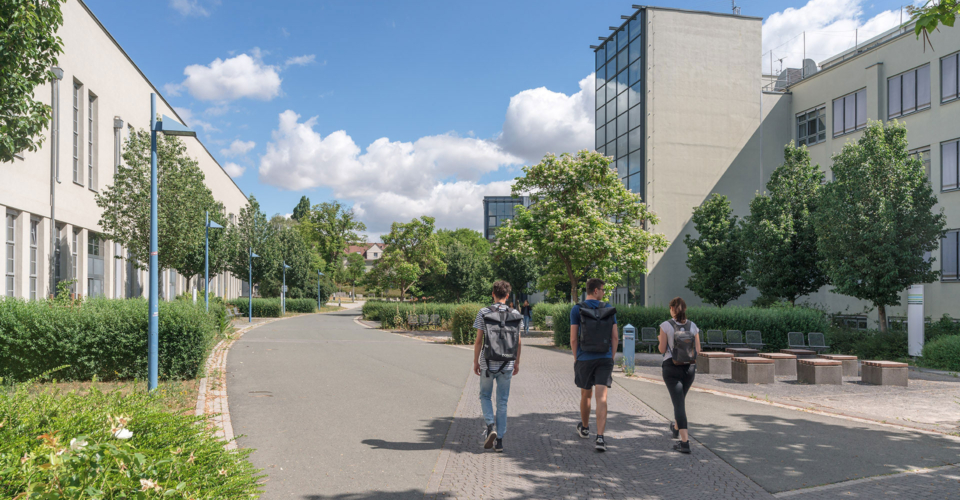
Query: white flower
[
  {"x": 123, "y": 434},
  {"x": 77, "y": 445}
]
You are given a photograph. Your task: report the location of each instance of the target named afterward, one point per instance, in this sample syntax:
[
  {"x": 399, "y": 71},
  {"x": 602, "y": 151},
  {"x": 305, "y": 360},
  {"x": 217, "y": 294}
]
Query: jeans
[
  {"x": 526, "y": 325},
  {"x": 678, "y": 378},
  {"x": 503, "y": 393}
]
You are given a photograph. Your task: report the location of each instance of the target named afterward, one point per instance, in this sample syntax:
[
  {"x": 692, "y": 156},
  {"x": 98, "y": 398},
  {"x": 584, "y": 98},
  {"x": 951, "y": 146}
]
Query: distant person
[
  {"x": 510, "y": 304},
  {"x": 593, "y": 340},
  {"x": 496, "y": 357},
  {"x": 527, "y": 313},
  {"x": 679, "y": 344}
]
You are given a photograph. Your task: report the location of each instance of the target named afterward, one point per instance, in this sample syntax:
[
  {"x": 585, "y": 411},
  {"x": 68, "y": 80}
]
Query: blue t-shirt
[{"x": 575, "y": 320}]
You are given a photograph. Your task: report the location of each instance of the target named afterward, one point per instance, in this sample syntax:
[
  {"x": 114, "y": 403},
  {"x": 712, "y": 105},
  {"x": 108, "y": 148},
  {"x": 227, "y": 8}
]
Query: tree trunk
[
  {"x": 882, "y": 310},
  {"x": 573, "y": 282}
]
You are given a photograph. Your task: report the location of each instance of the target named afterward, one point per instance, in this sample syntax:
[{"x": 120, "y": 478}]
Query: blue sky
[{"x": 403, "y": 108}]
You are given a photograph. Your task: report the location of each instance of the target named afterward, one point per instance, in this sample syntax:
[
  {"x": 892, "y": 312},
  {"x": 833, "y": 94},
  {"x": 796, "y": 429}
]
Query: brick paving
[
  {"x": 544, "y": 458},
  {"x": 943, "y": 482}
]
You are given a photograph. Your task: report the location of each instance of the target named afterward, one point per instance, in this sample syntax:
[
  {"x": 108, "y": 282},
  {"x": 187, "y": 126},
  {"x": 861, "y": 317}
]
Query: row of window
[
  {"x": 79, "y": 159},
  {"x": 618, "y": 41}
]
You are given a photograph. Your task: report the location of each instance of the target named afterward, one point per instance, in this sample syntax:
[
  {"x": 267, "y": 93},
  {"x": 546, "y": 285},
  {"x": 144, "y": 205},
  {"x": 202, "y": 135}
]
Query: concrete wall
[{"x": 92, "y": 58}]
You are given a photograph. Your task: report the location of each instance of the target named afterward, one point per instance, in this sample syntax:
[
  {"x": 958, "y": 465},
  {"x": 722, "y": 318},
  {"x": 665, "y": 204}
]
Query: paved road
[{"x": 338, "y": 411}]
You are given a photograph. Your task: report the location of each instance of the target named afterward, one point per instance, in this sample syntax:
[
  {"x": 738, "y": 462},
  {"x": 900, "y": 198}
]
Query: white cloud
[
  {"x": 238, "y": 148},
  {"x": 189, "y": 8},
  {"x": 234, "y": 78},
  {"x": 301, "y": 60},
  {"x": 191, "y": 121},
  {"x": 831, "y": 27},
  {"x": 233, "y": 170}
]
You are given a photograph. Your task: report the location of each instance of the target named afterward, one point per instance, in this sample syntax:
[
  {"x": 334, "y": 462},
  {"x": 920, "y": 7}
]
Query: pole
[
  {"x": 318, "y": 291},
  {"x": 283, "y": 292},
  {"x": 153, "y": 320},
  {"x": 206, "y": 262},
  {"x": 250, "y": 283}
]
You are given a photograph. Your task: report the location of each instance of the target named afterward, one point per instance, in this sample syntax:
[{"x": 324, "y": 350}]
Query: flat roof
[{"x": 672, "y": 9}]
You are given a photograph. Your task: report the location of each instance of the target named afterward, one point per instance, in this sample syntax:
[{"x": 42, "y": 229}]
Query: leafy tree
[
  {"x": 336, "y": 228},
  {"x": 29, "y": 46},
  {"x": 253, "y": 231},
  {"x": 473, "y": 240},
  {"x": 876, "y": 219},
  {"x": 182, "y": 199},
  {"x": 466, "y": 277},
  {"x": 412, "y": 250},
  {"x": 193, "y": 260},
  {"x": 302, "y": 210},
  {"x": 294, "y": 250},
  {"x": 932, "y": 14},
  {"x": 582, "y": 222},
  {"x": 519, "y": 270},
  {"x": 779, "y": 236},
  {"x": 716, "y": 258}
]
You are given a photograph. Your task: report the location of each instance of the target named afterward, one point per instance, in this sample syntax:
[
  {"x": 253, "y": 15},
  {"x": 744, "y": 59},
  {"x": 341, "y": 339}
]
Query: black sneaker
[
  {"x": 582, "y": 431},
  {"x": 499, "y": 446},
  {"x": 601, "y": 445},
  {"x": 675, "y": 431},
  {"x": 489, "y": 436},
  {"x": 682, "y": 447}
]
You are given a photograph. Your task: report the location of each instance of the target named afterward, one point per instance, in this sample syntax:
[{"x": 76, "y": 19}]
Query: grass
[{"x": 175, "y": 395}]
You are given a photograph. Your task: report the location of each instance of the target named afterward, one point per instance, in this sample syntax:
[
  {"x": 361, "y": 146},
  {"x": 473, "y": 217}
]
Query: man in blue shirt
[{"x": 592, "y": 369}]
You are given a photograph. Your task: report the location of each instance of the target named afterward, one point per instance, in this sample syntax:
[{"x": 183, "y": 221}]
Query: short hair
[
  {"x": 501, "y": 289},
  {"x": 593, "y": 284}
]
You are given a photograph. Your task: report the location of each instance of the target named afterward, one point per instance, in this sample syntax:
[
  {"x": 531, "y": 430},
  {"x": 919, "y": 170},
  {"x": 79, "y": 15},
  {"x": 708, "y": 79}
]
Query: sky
[{"x": 405, "y": 108}]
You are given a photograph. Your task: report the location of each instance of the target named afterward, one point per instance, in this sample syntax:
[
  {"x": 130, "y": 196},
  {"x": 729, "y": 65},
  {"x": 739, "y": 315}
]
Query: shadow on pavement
[
  {"x": 390, "y": 495},
  {"x": 433, "y": 436}
]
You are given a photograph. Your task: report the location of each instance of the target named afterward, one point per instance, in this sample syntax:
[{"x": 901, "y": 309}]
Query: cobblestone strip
[
  {"x": 544, "y": 458},
  {"x": 941, "y": 482}
]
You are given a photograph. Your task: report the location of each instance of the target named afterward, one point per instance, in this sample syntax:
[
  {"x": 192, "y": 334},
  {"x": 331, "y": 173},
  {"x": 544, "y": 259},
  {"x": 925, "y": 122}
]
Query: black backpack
[
  {"x": 596, "y": 327},
  {"x": 684, "y": 350},
  {"x": 501, "y": 335}
]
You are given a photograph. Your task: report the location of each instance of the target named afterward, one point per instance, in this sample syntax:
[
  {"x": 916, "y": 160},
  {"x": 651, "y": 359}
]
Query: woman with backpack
[{"x": 679, "y": 344}]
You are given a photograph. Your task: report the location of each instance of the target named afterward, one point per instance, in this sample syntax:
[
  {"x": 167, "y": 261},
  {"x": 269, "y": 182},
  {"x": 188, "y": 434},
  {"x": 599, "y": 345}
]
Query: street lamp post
[
  {"x": 283, "y": 293},
  {"x": 206, "y": 259},
  {"x": 168, "y": 126},
  {"x": 250, "y": 257},
  {"x": 319, "y": 274}
]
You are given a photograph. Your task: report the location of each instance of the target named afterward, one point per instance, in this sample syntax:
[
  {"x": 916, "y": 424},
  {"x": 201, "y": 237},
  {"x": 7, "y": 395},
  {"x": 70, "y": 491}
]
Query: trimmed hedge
[
  {"x": 301, "y": 305},
  {"x": 462, "y": 323},
  {"x": 869, "y": 344},
  {"x": 772, "y": 323},
  {"x": 394, "y": 314},
  {"x": 542, "y": 310},
  {"x": 943, "y": 353},
  {"x": 262, "y": 308},
  {"x": 106, "y": 338}
]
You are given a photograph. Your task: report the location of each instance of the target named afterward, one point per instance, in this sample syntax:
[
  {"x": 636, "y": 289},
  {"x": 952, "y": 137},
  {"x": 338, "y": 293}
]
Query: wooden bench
[
  {"x": 714, "y": 363},
  {"x": 884, "y": 373},
  {"x": 819, "y": 371},
  {"x": 742, "y": 352},
  {"x": 785, "y": 365},
  {"x": 800, "y": 353},
  {"x": 851, "y": 367},
  {"x": 753, "y": 370}
]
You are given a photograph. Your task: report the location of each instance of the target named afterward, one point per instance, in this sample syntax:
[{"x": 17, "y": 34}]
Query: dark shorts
[{"x": 593, "y": 372}]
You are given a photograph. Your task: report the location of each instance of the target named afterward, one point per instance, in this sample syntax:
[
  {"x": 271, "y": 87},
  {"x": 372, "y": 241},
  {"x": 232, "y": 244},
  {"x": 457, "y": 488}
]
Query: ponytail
[{"x": 680, "y": 308}]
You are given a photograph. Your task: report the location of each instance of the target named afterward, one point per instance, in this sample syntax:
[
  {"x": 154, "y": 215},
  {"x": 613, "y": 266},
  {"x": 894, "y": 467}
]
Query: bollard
[{"x": 629, "y": 348}]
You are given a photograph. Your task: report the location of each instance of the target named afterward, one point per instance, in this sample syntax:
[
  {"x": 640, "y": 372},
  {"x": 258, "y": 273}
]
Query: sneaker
[
  {"x": 675, "y": 431},
  {"x": 582, "y": 431},
  {"x": 499, "y": 446},
  {"x": 682, "y": 447},
  {"x": 489, "y": 436},
  {"x": 601, "y": 445}
]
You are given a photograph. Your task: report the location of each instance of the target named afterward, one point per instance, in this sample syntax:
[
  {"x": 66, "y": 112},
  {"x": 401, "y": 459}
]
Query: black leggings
[{"x": 678, "y": 378}]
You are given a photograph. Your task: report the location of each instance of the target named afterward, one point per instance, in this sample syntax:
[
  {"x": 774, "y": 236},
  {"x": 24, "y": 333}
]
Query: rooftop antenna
[
  {"x": 781, "y": 63},
  {"x": 736, "y": 10}
]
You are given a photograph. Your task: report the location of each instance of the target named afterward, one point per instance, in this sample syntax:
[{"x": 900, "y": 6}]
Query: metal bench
[
  {"x": 754, "y": 339},
  {"x": 413, "y": 320},
  {"x": 714, "y": 340},
  {"x": 795, "y": 340},
  {"x": 649, "y": 337},
  {"x": 817, "y": 342},
  {"x": 435, "y": 320},
  {"x": 735, "y": 339},
  {"x": 424, "y": 320}
]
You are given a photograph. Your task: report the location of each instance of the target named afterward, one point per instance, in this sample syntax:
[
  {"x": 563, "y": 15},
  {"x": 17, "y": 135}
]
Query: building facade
[
  {"x": 684, "y": 111},
  {"x": 497, "y": 210},
  {"x": 50, "y": 216},
  {"x": 371, "y": 252}
]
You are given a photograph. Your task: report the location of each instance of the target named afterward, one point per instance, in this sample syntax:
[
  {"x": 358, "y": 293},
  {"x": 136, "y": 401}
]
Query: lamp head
[
  {"x": 214, "y": 225},
  {"x": 253, "y": 254}
]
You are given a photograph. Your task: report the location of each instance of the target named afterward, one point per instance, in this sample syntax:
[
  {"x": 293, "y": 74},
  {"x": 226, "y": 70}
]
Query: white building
[{"x": 47, "y": 196}]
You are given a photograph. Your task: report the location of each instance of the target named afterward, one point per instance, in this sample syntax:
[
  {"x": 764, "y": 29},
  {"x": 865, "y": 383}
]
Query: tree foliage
[
  {"x": 521, "y": 271},
  {"x": 582, "y": 222},
  {"x": 29, "y": 47},
  {"x": 412, "y": 250},
  {"x": 876, "y": 220},
  {"x": 930, "y": 15},
  {"x": 253, "y": 232},
  {"x": 716, "y": 258},
  {"x": 336, "y": 227},
  {"x": 302, "y": 210},
  {"x": 779, "y": 236}
]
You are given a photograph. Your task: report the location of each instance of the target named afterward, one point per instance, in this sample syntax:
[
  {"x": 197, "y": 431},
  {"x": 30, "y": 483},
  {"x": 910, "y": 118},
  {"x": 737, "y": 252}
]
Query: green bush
[
  {"x": 106, "y": 338},
  {"x": 262, "y": 308},
  {"x": 40, "y": 459},
  {"x": 394, "y": 314},
  {"x": 943, "y": 353},
  {"x": 543, "y": 309},
  {"x": 301, "y": 305},
  {"x": 462, "y": 323},
  {"x": 868, "y": 344},
  {"x": 944, "y": 326}
]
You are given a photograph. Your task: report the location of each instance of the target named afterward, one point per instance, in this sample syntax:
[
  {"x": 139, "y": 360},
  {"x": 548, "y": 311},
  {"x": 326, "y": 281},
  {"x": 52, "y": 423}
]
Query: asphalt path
[
  {"x": 338, "y": 411},
  {"x": 782, "y": 449}
]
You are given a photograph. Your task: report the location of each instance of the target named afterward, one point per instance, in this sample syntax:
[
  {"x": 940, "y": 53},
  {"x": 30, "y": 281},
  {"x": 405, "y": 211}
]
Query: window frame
[
  {"x": 857, "y": 126},
  {"x": 955, "y": 278},
  {"x": 923, "y": 154},
  {"x": 821, "y": 111},
  {"x": 956, "y": 74},
  {"x": 917, "y": 107},
  {"x": 77, "y": 133},
  {"x": 92, "y": 159},
  {"x": 956, "y": 187},
  {"x": 10, "y": 257},
  {"x": 34, "y": 257}
]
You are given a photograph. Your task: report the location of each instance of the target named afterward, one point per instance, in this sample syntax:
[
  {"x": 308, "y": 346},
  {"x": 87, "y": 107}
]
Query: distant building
[
  {"x": 497, "y": 209},
  {"x": 371, "y": 252}
]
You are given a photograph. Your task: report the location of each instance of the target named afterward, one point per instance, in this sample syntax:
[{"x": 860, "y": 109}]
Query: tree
[
  {"x": 29, "y": 47},
  {"x": 930, "y": 15},
  {"x": 466, "y": 277},
  {"x": 302, "y": 210},
  {"x": 412, "y": 250},
  {"x": 582, "y": 222},
  {"x": 716, "y": 258},
  {"x": 473, "y": 240},
  {"x": 182, "y": 199},
  {"x": 336, "y": 228},
  {"x": 295, "y": 252},
  {"x": 253, "y": 231},
  {"x": 876, "y": 220},
  {"x": 192, "y": 263},
  {"x": 519, "y": 270},
  {"x": 779, "y": 236}
]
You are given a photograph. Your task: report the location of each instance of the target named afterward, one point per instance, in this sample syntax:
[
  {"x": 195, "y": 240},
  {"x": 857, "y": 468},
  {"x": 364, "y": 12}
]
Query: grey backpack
[
  {"x": 501, "y": 335},
  {"x": 684, "y": 350}
]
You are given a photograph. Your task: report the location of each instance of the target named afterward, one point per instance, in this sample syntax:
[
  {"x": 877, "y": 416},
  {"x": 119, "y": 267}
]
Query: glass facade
[{"x": 497, "y": 209}]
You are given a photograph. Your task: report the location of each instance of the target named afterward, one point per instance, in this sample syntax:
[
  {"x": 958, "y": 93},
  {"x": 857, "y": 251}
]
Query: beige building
[
  {"x": 683, "y": 107},
  {"x": 50, "y": 226}
]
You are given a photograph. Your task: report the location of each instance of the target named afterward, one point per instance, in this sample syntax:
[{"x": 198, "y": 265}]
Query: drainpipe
[{"x": 54, "y": 171}]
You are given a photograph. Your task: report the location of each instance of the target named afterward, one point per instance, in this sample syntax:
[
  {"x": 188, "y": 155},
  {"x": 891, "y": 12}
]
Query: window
[
  {"x": 77, "y": 167},
  {"x": 852, "y": 322},
  {"x": 91, "y": 127},
  {"x": 949, "y": 67},
  {"x": 812, "y": 126},
  {"x": 601, "y": 57},
  {"x": 95, "y": 269},
  {"x": 11, "y": 247},
  {"x": 634, "y": 27},
  {"x": 74, "y": 255},
  {"x": 492, "y": 221},
  {"x": 908, "y": 92},
  {"x": 949, "y": 248},
  {"x": 949, "y": 165},
  {"x": 923, "y": 154},
  {"x": 34, "y": 227},
  {"x": 850, "y": 113}
]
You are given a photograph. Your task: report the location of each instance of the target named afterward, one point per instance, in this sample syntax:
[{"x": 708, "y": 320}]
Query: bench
[
  {"x": 735, "y": 338},
  {"x": 649, "y": 337},
  {"x": 424, "y": 320},
  {"x": 795, "y": 340},
  {"x": 817, "y": 342},
  {"x": 819, "y": 371},
  {"x": 753, "y": 370},
  {"x": 785, "y": 365},
  {"x": 884, "y": 373},
  {"x": 714, "y": 340},
  {"x": 800, "y": 353},
  {"x": 851, "y": 367},
  {"x": 742, "y": 352},
  {"x": 413, "y": 320},
  {"x": 714, "y": 363},
  {"x": 754, "y": 339}
]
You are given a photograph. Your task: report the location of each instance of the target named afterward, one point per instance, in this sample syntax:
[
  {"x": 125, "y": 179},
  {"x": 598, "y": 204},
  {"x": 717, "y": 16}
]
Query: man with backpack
[
  {"x": 593, "y": 339},
  {"x": 496, "y": 357}
]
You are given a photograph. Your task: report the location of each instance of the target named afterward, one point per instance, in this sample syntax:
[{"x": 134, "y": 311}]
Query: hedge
[
  {"x": 772, "y": 323},
  {"x": 461, "y": 327},
  {"x": 394, "y": 314},
  {"x": 106, "y": 338},
  {"x": 301, "y": 305},
  {"x": 869, "y": 344},
  {"x": 943, "y": 353},
  {"x": 270, "y": 308},
  {"x": 542, "y": 310}
]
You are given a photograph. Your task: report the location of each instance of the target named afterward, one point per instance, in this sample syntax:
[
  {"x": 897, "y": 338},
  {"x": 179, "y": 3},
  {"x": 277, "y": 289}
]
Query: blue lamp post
[
  {"x": 283, "y": 293},
  {"x": 319, "y": 274},
  {"x": 168, "y": 126},
  {"x": 250, "y": 283},
  {"x": 206, "y": 260}
]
